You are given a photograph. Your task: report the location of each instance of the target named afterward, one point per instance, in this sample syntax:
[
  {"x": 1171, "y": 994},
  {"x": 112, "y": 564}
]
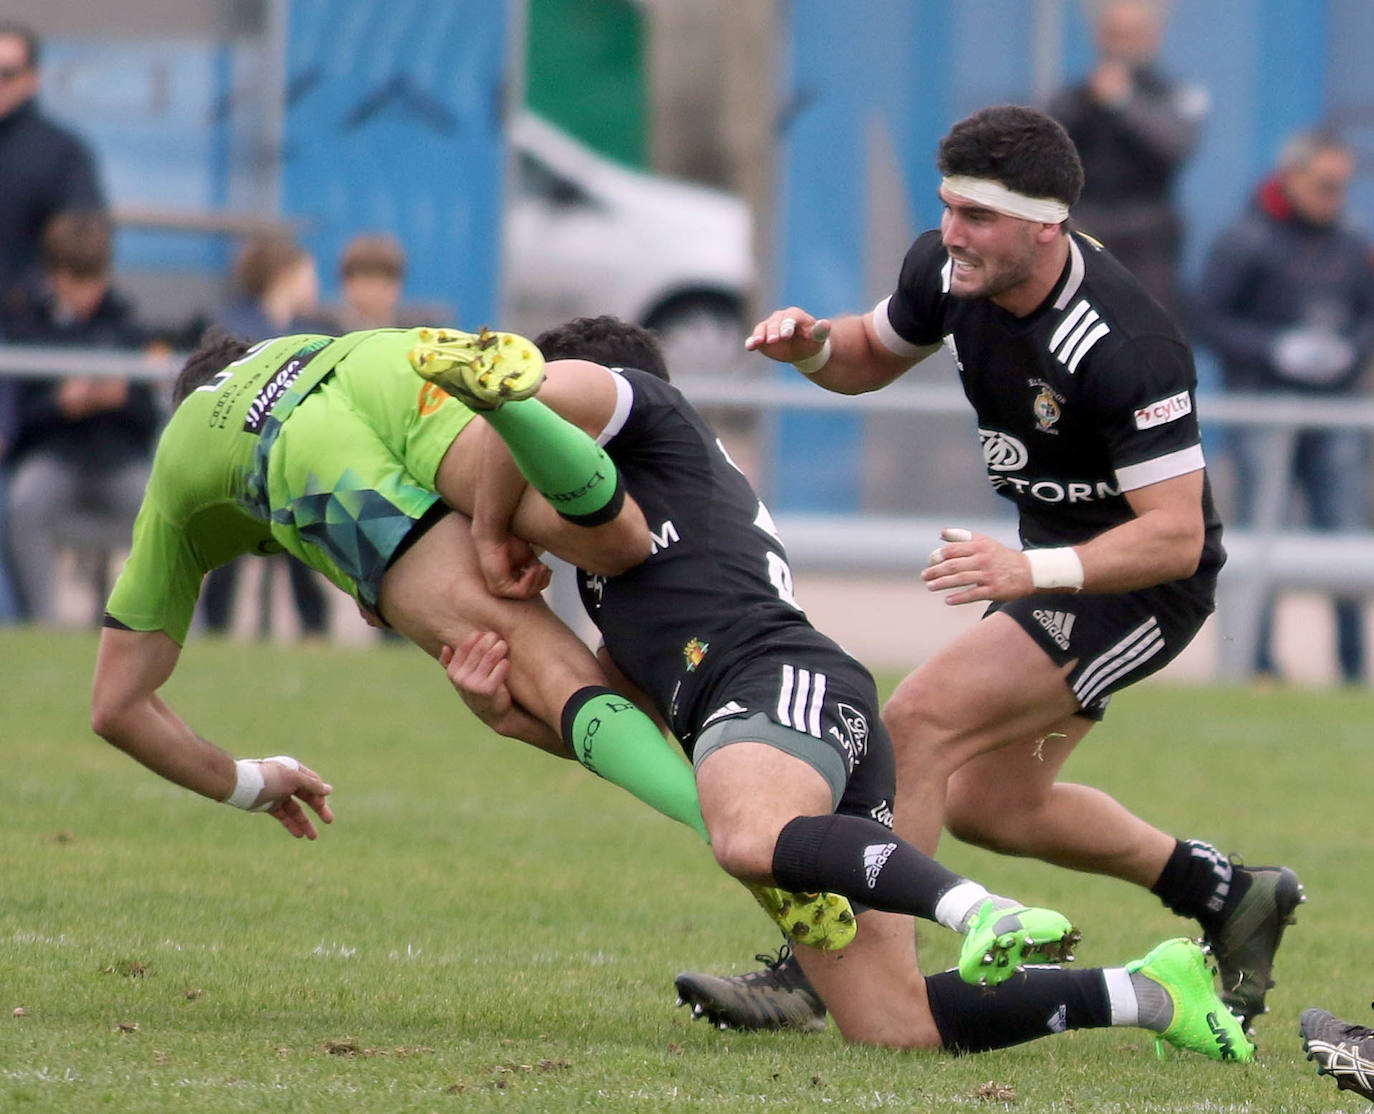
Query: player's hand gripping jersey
[{"x": 1086, "y": 398}]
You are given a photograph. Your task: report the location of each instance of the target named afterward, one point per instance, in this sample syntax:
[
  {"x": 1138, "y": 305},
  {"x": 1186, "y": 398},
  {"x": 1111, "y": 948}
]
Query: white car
[{"x": 586, "y": 236}]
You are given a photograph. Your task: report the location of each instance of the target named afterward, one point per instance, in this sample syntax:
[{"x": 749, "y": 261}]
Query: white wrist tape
[
  {"x": 248, "y": 784},
  {"x": 1055, "y": 568},
  {"x": 813, "y": 364},
  {"x": 250, "y": 781}
]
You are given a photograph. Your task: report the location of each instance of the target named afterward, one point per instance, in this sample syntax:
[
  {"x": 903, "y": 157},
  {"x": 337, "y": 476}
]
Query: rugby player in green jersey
[{"x": 335, "y": 451}]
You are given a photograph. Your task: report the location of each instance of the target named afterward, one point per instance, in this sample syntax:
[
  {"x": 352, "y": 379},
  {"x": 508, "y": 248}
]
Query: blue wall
[
  {"x": 390, "y": 121},
  {"x": 393, "y": 124}
]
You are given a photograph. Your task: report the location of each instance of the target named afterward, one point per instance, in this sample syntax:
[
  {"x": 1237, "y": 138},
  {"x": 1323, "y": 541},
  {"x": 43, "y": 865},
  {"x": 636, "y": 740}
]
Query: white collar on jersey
[{"x": 1075, "y": 279}]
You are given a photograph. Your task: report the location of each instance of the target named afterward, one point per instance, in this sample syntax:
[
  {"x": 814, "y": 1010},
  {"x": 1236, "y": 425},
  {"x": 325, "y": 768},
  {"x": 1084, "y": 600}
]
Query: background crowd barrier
[{"x": 1264, "y": 558}]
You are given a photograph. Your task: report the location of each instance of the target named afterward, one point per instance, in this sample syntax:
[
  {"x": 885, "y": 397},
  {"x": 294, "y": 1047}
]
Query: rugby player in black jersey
[
  {"x": 794, "y": 769},
  {"x": 1084, "y": 394}
]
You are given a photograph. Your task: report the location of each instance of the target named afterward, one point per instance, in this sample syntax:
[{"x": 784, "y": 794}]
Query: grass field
[{"x": 487, "y": 928}]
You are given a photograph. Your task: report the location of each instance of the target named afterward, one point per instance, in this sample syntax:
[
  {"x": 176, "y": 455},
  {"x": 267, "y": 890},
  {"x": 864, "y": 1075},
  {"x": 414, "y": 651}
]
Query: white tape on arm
[
  {"x": 813, "y": 364},
  {"x": 1055, "y": 568},
  {"x": 248, "y": 784},
  {"x": 250, "y": 781}
]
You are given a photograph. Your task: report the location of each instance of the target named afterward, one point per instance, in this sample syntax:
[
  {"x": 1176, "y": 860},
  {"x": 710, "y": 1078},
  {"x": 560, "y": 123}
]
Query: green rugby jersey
[{"x": 205, "y": 503}]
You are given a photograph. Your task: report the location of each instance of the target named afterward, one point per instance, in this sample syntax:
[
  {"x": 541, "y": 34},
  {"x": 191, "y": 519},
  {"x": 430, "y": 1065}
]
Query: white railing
[{"x": 1261, "y": 559}]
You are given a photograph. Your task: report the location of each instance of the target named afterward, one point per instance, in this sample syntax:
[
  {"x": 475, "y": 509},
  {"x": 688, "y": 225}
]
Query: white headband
[{"x": 993, "y": 195}]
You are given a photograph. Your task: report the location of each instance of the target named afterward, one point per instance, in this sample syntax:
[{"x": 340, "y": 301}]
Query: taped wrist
[
  {"x": 249, "y": 781},
  {"x": 1055, "y": 568},
  {"x": 813, "y": 364}
]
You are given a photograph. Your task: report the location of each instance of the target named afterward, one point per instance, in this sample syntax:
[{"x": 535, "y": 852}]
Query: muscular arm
[
  {"x": 508, "y": 562},
  {"x": 127, "y": 712},
  {"x": 1162, "y": 542},
  {"x": 859, "y": 362},
  {"x": 584, "y": 394}
]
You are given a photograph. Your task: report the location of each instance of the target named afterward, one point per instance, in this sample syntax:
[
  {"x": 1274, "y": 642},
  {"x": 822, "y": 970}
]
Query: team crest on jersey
[
  {"x": 694, "y": 653},
  {"x": 1047, "y": 406}
]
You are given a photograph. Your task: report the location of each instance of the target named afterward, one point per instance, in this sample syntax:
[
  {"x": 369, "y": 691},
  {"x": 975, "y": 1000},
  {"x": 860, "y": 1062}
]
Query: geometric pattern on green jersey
[{"x": 356, "y": 524}]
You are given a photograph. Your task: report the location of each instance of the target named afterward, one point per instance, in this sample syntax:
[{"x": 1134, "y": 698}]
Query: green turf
[{"x": 485, "y": 927}]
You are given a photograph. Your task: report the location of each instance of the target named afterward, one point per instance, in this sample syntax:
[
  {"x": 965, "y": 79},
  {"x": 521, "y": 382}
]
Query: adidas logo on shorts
[{"x": 1058, "y": 623}]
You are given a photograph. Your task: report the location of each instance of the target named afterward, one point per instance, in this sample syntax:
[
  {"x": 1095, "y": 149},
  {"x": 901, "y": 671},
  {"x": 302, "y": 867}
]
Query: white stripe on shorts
[
  {"x": 1138, "y": 646},
  {"x": 801, "y": 699},
  {"x": 798, "y": 721},
  {"x": 785, "y": 697},
  {"x": 813, "y": 721}
]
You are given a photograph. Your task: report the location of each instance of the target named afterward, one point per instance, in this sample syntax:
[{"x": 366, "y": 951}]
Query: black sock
[
  {"x": 1199, "y": 881},
  {"x": 1035, "y": 1003},
  {"x": 862, "y": 860}
]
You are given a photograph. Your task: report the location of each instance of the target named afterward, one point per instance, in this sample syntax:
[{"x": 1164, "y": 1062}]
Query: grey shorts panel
[{"x": 758, "y": 728}]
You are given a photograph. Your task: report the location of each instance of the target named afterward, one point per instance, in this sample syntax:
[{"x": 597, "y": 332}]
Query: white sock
[
  {"x": 960, "y": 904},
  {"x": 1121, "y": 996},
  {"x": 1137, "y": 1000}
]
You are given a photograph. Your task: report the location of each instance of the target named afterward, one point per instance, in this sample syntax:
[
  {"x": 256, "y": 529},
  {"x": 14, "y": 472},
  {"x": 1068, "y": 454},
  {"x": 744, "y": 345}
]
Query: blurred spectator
[
  {"x": 44, "y": 168},
  {"x": 1133, "y": 128},
  {"x": 1287, "y": 303},
  {"x": 372, "y": 272},
  {"x": 277, "y": 292},
  {"x": 80, "y": 443}
]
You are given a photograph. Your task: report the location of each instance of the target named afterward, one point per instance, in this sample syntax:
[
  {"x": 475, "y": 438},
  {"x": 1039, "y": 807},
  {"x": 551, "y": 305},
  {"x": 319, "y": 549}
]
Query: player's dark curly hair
[
  {"x": 218, "y": 349},
  {"x": 1024, "y": 149},
  {"x": 604, "y": 340}
]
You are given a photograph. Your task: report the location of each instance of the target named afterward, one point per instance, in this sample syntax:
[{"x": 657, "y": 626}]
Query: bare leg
[
  {"x": 988, "y": 723},
  {"x": 435, "y": 595},
  {"x": 1009, "y": 801},
  {"x": 874, "y": 988}
]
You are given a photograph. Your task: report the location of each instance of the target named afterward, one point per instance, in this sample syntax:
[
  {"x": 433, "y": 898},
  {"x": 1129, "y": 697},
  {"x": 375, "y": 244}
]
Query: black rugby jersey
[
  {"x": 1089, "y": 396},
  {"x": 717, "y": 586}
]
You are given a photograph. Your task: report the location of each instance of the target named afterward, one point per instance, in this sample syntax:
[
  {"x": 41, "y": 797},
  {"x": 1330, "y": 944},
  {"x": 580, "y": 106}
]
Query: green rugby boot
[
  {"x": 823, "y": 920},
  {"x": 1201, "y": 1021},
  {"x": 999, "y": 942},
  {"x": 483, "y": 370}
]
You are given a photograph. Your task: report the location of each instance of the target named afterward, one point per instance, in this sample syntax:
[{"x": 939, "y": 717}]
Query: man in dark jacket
[
  {"x": 1133, "y": 129},
  {"x": 83, "y": 441},
  {"x": 1287, "y": 303},
  {"x": 44, "y": 168}
]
